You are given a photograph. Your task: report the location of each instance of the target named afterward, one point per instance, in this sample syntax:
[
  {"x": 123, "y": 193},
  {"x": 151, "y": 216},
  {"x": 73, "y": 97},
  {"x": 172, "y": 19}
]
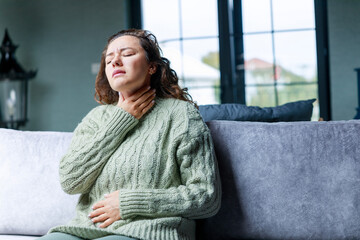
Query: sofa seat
[{"x": 18, "y": 237}]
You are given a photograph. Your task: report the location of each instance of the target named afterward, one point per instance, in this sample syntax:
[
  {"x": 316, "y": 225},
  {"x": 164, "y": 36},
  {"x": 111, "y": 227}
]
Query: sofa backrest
[
  {"x": 31, "y": 199},
  {"x": 286, "y": 180}
]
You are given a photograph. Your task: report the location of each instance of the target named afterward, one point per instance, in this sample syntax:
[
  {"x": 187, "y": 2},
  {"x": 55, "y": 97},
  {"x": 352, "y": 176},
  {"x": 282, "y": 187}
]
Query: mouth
[{"x": 117, "y": 73}]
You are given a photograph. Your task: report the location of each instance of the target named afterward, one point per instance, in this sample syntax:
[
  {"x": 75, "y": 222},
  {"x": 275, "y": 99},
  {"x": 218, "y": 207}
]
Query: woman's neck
[{"x": 128, "y": 93}]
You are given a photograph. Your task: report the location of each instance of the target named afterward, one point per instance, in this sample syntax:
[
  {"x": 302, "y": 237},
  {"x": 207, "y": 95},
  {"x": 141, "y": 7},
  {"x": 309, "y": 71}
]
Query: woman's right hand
[{"x": 138, "y": 103}]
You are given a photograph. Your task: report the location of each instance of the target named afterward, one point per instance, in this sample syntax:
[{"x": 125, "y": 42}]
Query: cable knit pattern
[{"x": 163, "y": 164}]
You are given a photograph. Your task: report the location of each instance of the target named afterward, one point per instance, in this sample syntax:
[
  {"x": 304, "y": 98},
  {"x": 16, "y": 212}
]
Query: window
[
  {"x": 280, "y": 61},
  {"x": 270, "y": 51},
  {"x": 188, "y": 37}
]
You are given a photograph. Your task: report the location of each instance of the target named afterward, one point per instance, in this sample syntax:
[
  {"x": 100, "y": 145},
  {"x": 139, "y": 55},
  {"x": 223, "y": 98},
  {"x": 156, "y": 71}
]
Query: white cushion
[{"x": 31, "y": 198}]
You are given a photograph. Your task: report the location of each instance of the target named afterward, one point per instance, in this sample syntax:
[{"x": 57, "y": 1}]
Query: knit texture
[{"x": 163, "y": 164}]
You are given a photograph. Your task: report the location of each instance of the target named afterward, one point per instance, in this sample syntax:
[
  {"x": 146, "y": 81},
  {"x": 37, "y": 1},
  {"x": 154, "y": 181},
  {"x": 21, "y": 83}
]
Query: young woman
[{"x": 143, "y": 161}]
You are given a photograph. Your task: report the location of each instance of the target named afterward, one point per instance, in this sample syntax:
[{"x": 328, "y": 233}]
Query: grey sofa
[{"x": 296, "y": 180}]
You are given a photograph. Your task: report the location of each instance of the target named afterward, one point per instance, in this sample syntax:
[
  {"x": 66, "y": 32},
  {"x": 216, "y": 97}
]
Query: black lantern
[{"x": 13, "y": 87}]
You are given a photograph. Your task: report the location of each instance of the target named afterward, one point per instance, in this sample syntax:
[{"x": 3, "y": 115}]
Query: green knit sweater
[{"x": 163, "y": 164}]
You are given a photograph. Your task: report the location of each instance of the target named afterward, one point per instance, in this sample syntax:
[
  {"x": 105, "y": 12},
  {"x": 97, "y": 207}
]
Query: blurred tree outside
[{"x": 290, "y": 87}]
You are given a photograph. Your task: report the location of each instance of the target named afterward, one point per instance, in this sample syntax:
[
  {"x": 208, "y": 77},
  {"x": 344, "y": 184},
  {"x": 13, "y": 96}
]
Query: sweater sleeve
[
  {"x": 94, "y": 140},
  {"x": 199, "y": 195}
]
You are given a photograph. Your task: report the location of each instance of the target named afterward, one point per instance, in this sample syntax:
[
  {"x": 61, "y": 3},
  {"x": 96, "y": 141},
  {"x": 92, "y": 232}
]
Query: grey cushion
[
  {"x": 293, "y": 111},
  {"x": 287, "y": 180}
]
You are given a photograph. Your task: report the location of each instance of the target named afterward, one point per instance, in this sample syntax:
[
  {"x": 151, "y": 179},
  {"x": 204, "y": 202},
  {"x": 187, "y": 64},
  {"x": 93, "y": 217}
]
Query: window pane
[
  {"x": 293, "y": 14},
  {"x": 204, "y": 96},
  {"x": 256, "y": 15},
  {"x": 294, "y": 93},
  {"x": 258, "y": 59},
  {"x": 201, "y": 64},
  {"x": 295, "y": 54},
  {"x": 262, "y": 96},
  {"x": 172, "y": 51},
  {"x": 154, "y": 13},
  {"x": 201, "y": 60},
  {"x": 199, "y": 18}
]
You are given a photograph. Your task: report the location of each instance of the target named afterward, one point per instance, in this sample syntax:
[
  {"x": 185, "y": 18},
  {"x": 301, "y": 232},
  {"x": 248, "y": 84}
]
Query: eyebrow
[{"x": 121, "y": 50}]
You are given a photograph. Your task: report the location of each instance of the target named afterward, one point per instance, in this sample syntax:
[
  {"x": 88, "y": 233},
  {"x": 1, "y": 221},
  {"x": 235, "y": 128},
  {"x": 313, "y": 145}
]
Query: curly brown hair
[{"x": 164, "y": 80}]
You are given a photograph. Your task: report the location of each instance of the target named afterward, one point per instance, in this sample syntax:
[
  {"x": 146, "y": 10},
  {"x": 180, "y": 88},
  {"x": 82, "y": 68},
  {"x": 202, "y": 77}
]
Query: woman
[{"x": 143, "y": 161}]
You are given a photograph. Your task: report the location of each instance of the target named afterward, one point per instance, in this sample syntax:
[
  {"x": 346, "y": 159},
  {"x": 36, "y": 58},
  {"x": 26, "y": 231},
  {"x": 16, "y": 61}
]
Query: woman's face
[{"x": 126, "y": 66}]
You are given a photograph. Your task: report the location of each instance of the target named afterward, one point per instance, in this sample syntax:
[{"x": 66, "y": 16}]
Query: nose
[{"x": 116, "y": 60}]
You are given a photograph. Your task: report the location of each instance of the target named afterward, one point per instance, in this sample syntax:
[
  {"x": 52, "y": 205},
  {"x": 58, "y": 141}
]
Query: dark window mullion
[
  {"x": 322, "y": 59},
  {"x": 226, "y": 53},
  {"x": 239, "y": 52},
  {"x": 135, "y": 14}
]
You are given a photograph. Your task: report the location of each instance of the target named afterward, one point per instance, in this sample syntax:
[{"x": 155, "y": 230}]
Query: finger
[
  {"x": 100, "y": 218},
  {"x": 98, "y": 205},
  {"x": 108, "y": 222},
  {"x": 96, "y": 213},
  {"x": 143, "y": 99},
  {"x": 146, "y": 103},
  {"x": 148, "y": 95},
  {"x": 144, "y": 107},
  {"x": 139, "y": 93},
  {"x": 148, "y": 107}
]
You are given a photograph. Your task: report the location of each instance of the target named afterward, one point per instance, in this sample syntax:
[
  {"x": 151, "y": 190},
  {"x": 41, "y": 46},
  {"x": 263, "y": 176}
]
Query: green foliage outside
[{"x": 292, "y": 88}]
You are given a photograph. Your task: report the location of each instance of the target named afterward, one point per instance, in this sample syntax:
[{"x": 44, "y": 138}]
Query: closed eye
[
  {"x": 128, "y": 53},
  {"x": 108, "y": 61}
]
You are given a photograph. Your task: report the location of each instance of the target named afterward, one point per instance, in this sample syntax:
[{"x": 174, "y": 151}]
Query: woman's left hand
[{"x": 106, "y": 211}]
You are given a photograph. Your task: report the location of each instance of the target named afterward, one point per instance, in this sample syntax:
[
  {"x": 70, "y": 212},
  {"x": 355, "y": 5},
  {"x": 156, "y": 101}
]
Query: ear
[{"x": 152, "y": 69}]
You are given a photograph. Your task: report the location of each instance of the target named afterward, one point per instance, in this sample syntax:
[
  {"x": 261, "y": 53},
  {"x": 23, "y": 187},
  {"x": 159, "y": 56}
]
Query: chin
[
  {"x": 119, "y": 86},
  {"x": 126, "y": 89},
  {"x": 126, "y": 86}
]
